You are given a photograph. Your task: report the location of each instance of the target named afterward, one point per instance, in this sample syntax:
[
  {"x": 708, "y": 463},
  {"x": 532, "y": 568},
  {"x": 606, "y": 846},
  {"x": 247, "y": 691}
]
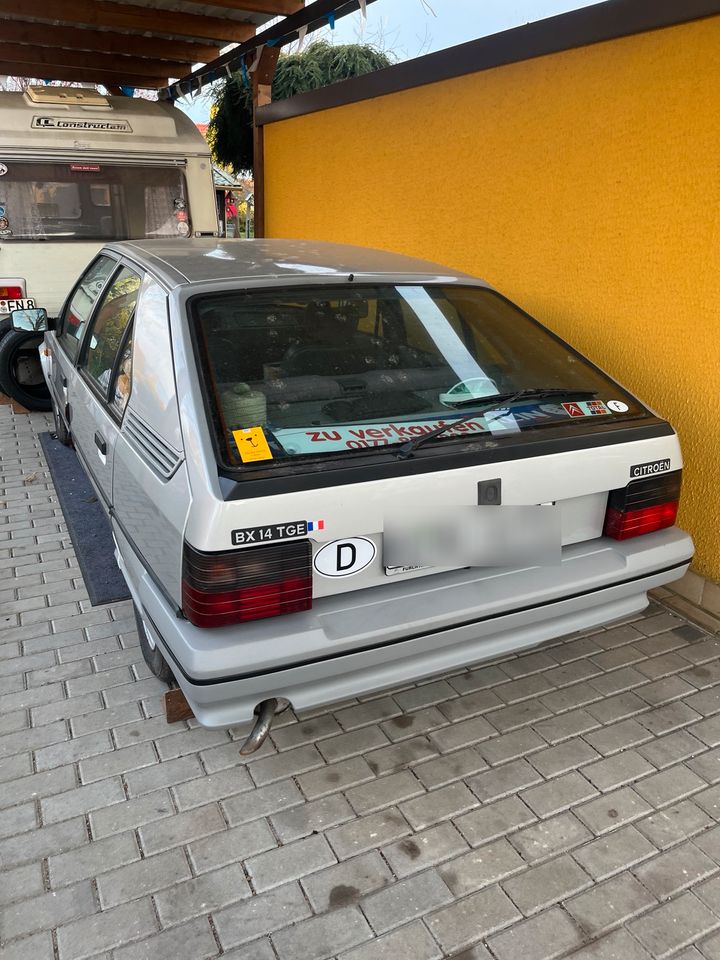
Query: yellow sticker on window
[{"x": 252, "y": 444}]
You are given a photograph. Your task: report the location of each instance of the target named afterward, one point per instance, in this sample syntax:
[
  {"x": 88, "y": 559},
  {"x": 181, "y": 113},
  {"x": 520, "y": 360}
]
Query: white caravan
[{"x": 77, "y": 170}]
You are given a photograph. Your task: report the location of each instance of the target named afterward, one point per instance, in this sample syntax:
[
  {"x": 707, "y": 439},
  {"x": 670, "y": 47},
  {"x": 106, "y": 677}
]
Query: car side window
[
  {"x": 78, "y": 310},
  {"x": 120, "y": 393},
  {"x": 108, "y": 326}
]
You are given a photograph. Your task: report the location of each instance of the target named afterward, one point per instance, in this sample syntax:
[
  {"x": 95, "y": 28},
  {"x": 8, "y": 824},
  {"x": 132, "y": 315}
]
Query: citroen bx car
[{"x": 331, "y": 470}]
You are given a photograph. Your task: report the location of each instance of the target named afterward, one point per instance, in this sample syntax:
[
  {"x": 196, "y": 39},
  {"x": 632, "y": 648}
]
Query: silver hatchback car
[{"x": 331, "y": 470}]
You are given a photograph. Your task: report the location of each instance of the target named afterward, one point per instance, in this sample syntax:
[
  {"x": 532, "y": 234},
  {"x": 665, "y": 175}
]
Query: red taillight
[
  {"x": 235, "y": 586},
  {"x": 11, "y": 293},
  {"x": 643, "y": 506}
]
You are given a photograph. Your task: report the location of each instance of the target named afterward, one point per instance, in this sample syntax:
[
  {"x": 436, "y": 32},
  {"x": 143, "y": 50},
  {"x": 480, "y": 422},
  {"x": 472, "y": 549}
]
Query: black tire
[
  {"x": 151, "y": 654},
  {"x": 61, "y": 431},
  {"x": 17, "y": 346},
  {"x": 5, "y": 327}
]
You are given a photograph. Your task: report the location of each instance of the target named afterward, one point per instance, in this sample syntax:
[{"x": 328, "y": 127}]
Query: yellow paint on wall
[{"x": 584, "y": 185}]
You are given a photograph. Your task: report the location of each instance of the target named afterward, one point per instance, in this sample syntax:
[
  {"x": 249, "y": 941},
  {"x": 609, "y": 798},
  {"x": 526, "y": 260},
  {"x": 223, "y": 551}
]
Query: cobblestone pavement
[{"x": 559, "y": 803}]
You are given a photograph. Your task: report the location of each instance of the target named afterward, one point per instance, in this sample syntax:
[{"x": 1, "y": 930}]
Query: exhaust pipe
[{"x": 266, "y": 712}]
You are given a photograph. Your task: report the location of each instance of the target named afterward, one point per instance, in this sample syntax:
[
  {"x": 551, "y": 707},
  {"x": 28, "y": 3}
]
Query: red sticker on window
[{"x": 574, "y": 409}]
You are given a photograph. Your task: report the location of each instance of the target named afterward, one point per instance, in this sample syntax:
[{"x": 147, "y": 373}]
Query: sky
[{"x": 410, "y": 28}]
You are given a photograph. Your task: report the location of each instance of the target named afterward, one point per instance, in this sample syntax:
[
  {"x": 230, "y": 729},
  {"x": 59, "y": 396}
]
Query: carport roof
[{"x": 138, "y": 43}]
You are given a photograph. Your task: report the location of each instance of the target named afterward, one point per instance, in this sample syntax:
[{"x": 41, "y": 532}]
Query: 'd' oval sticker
[{"x": 342, "y": 558}]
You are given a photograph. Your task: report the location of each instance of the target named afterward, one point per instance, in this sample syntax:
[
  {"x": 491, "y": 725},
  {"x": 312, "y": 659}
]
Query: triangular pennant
[{"x": 256, "y": 61}]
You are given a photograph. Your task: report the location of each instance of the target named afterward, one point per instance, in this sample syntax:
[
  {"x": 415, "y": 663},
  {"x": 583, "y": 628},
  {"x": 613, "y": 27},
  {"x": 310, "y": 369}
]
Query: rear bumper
[{"x": 361, "y": 642}]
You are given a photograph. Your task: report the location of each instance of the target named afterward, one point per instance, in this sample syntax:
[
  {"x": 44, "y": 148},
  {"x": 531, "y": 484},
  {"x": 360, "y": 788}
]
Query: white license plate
[
  {"x": 410, "y": 568},
  {"x": 7, "y": 306}
]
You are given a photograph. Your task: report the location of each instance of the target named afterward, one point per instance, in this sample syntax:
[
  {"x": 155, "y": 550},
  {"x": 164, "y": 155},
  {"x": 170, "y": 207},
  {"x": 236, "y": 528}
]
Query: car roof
[{"x": 199, "y": 260}]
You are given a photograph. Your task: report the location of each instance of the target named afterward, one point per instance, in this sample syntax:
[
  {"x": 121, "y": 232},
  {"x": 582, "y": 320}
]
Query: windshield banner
[{"x": 359, "y": 436}]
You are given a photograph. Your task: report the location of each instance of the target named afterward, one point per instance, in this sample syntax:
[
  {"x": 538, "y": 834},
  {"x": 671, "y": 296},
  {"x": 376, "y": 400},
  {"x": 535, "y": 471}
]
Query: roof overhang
[{"x": 137, "y": 43}]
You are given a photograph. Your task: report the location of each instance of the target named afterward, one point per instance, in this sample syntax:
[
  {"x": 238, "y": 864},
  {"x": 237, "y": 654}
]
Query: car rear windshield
[
  {"x": 91, "y": 201},
  {"x": 332, "y": 371}
]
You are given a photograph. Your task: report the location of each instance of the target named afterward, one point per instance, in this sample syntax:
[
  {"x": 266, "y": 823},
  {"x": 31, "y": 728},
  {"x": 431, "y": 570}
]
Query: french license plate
[{"x": 7, "y": 306}]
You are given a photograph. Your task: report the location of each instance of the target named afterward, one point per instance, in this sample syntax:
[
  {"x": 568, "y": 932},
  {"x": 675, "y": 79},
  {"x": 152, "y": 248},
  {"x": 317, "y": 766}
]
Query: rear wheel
[
  {"x": 151, "y": 654},
  {"x": 21, "y": 375}
]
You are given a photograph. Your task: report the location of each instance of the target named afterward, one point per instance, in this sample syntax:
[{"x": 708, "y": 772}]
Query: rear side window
[
  {"x": 109, "y": 324},
  {"x": 78, "y": 310},
  {"x": 344, "y": 368}
]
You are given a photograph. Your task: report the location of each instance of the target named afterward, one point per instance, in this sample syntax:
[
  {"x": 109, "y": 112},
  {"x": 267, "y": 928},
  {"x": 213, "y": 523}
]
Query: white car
[{"x": 331, "y": 470}]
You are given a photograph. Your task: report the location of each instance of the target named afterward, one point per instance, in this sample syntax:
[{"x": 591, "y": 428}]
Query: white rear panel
[{"x": 576, "y": 481}]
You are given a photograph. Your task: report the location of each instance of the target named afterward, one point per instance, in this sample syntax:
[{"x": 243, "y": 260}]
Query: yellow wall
[{"x": 583, "y": 184}]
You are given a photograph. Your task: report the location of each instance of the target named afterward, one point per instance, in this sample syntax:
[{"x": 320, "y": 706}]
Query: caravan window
[{"x": 92, "y": 201}]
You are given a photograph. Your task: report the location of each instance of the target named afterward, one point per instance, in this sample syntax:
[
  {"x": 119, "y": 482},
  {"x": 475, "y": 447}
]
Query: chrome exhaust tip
[{"x": 266, "y": 713}]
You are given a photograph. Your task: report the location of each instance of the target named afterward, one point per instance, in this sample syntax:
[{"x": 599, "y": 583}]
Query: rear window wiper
[
  {"x": 530, "y": 393},
  {"x": 406, "y": 450}
]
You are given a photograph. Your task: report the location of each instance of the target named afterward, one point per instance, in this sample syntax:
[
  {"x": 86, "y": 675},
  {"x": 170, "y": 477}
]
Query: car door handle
[{"x": 100, "y": 443}]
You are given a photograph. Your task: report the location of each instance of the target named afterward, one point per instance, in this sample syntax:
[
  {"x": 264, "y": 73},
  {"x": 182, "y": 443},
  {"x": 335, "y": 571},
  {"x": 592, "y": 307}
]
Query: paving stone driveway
[{"x": 559, "y": 803}]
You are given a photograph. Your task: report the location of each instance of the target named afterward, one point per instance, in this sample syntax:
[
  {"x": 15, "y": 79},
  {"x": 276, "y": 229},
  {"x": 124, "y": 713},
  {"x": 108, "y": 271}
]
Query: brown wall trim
[{"x": 604, "y": 21}]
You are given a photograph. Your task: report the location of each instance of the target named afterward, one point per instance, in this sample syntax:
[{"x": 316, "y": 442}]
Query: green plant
[{"x": 230, "y": 129}]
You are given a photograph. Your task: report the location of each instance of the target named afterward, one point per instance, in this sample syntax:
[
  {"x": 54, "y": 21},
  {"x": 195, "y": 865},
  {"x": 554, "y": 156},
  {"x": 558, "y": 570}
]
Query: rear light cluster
[
  {"x": 643, "y": 506},
  {"x": 11, "y": 292},
  {"x": 234, "y": 586}
]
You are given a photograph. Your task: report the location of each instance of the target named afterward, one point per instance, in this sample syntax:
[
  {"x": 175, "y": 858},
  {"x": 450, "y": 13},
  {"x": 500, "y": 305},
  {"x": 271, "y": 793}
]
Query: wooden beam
[
  {"x": 42, "y": 58},
  {"x": 104, "y": 41},
  {"x": 126, "y": 16},
  {"x": 273, "y": 8},
  {"x": 284, "y": 31},
  {"x": 101, "y": 74}
]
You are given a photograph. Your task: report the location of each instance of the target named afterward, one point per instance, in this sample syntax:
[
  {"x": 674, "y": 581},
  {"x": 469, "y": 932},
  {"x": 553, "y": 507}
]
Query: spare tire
[
  {"x": 5, "y": 326},
  {"x": 21, "y": 376}
]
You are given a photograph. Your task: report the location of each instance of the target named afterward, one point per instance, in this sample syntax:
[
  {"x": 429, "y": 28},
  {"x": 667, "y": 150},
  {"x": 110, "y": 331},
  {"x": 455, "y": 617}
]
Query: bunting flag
[{"x": 179, "y": 89}]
